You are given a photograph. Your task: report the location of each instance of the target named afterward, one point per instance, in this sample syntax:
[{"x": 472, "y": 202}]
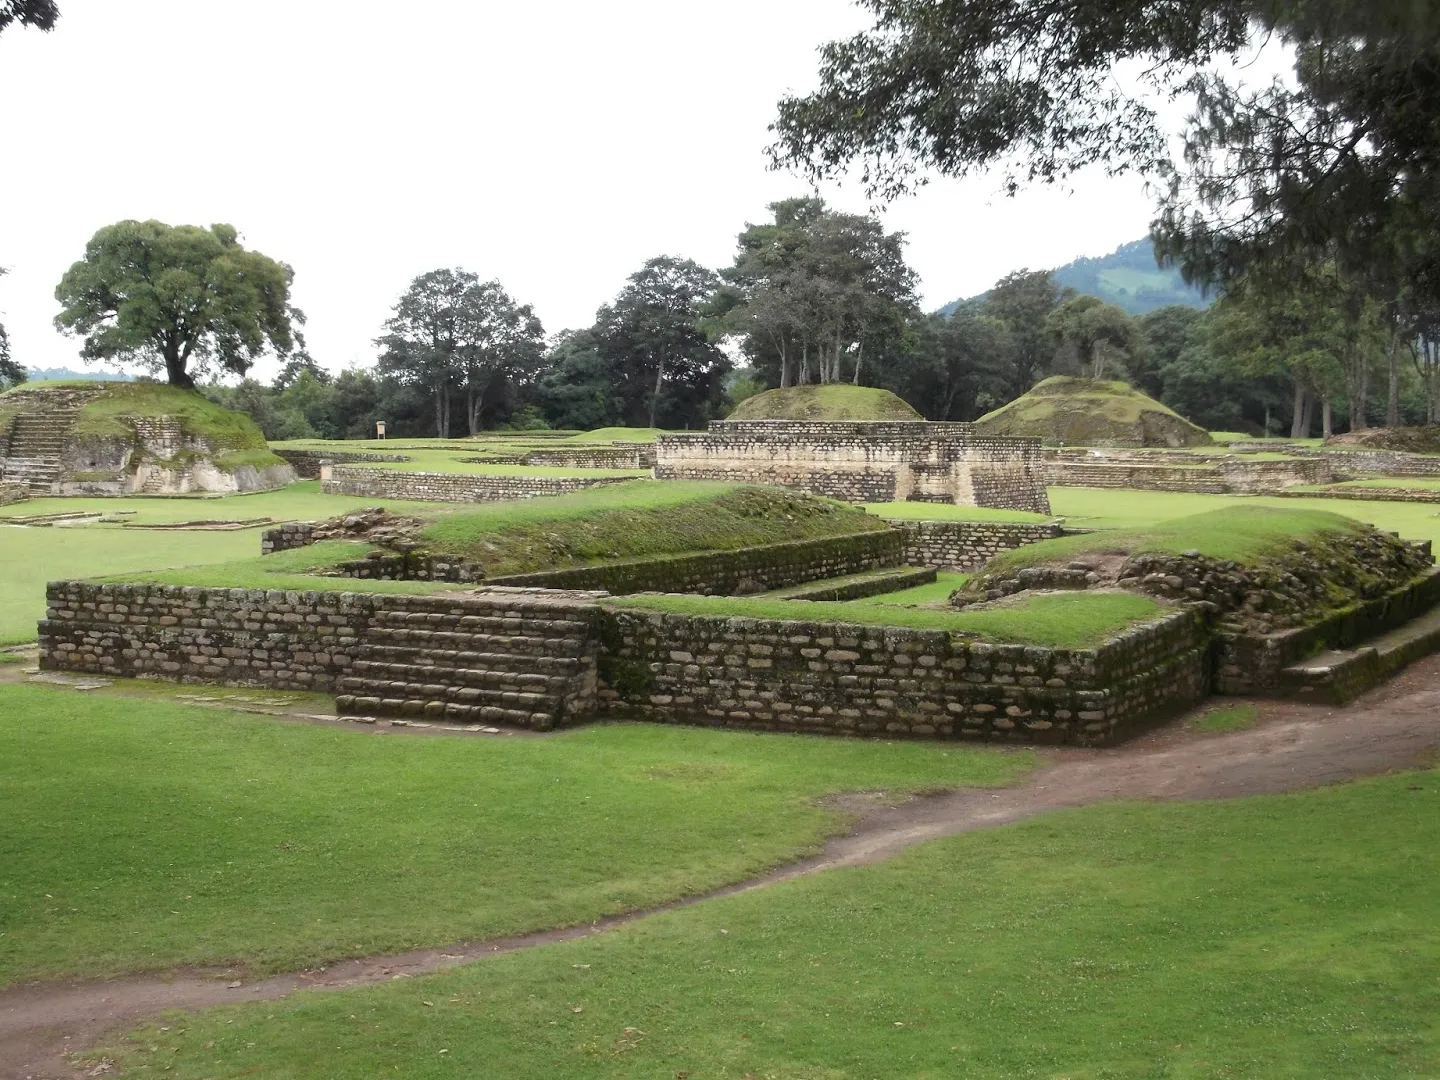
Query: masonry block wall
[
  {"x": 730, "y": 573},
  {"x": 306, "y": 463},
  {"x": 864, "y": 462},
  {"x": 452, "y": 487},
  {"x": 966, "y": 545},
  {"x": 870, "y": 680},
  {"x": 1214, "y": 477}
]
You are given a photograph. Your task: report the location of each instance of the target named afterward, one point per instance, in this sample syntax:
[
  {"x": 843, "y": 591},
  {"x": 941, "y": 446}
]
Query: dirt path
[{"x": 1292, "y": 748}]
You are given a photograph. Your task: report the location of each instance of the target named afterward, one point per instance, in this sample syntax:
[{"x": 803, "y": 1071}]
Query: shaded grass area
[
  {"x": 646, "y": 518},
  {"x": 1244, "y": 533},
  {"x": 1287, "y": 937},
  {"x": 1072, "y": 620},
  {"x": 1234, "y": 718},
  {"x": 277, "y": 845}
]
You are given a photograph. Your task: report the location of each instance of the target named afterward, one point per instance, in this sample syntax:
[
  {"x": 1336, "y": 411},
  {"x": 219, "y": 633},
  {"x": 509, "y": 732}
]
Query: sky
[{"x": 551, "y": 145}]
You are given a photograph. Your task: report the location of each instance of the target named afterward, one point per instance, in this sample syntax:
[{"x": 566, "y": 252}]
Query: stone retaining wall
[
  {"x": 893, "y": 461},
  {"x": 452, "y": 487},
  {"x": 293, "y": 534},
  {"x": 306, "y": 463},
  {"x": 729, "y": 573},
  {"x": 967, "y": 545},
  {"x": 13, "y": 491},
  {"x": 870, "y": 680},
  {"x": 1220, "y": 478},
  {"x": 616, "y": 456},
  {"x": 1250, "y": 664},
  {"x": 1368, "y": 494}
]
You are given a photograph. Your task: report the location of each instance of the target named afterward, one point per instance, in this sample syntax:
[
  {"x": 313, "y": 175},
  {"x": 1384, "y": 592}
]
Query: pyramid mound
[
  {"x": 1413, "y": 440},
  {"x": 832, "y": 402},
  {"x": 118, "y": 438},
  {"x": 1094, "y": 412}
]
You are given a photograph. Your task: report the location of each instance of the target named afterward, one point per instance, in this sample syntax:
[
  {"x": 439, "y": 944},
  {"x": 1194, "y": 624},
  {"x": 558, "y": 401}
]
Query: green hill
[
  {"x": 834, "y": 401},
  {"x": 1127, "y": 277},
  {"x": 1070, "y": 410}
]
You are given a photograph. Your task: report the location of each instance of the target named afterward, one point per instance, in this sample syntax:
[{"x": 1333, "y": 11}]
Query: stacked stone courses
[
  {"x": 866, "y": 680},
  {"x": 967, "y": 545},
  {"x": 886, "y": 461},
  {"x": 452, "y": 487}
]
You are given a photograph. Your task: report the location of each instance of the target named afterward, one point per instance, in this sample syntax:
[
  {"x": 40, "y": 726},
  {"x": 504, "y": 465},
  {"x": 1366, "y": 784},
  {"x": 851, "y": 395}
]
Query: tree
[
  {"x": 450, "y": 331},
  {"x": 815, "y": 285},
  {"x": 41, "y": 14},
  {"x": 952, "y": 367},
  {"x": 1100, "y": 338},
  {"x": 181, "y": 299},
  {"x": 651, "y": 334},
  {"x": 1023, "y": 301},
  {"x": 11, "y": 372},
  {"x": 1168, "y": 332},
  {"x": 1342, "y": 160}
]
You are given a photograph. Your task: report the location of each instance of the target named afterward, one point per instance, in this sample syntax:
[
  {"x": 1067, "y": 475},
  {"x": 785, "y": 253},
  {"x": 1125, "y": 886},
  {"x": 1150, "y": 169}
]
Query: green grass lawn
[
  {"x": 1072, "y": 620},
  {"x": 31, "y": 557},
  {"x": 1118, "y": 509},
  {"x": 1395, "y": 481},
  {"x": 1285, "y": 937},
  {"x": 146, "y": 837}
]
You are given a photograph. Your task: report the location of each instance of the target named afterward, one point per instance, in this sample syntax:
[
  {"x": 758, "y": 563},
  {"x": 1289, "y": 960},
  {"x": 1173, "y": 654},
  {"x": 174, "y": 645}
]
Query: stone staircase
[
  {"x": 35, "y": 442},
  {"x": 495, "y": 658}
]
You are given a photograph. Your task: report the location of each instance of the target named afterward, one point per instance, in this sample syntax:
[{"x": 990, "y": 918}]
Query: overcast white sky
[{"x": 552, "y": 145}]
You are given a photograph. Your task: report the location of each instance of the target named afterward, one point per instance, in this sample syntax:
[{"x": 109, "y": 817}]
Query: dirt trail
[{"x": 1292, "y": 748}]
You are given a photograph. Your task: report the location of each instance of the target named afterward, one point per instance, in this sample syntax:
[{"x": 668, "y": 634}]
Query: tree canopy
[
  {"x": 1339, "y": 164},
  {"x": 181, "y": 299},
  {"x": 40, "y": 14}
]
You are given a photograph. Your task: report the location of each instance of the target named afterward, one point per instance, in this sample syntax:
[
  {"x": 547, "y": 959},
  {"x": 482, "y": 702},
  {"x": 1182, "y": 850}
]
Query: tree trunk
[
  {"x": 784, "y": 366},
  {"x": 175, "y": 372},
  {"x": 804, "y": 376},
  {"x": 655, "y": 398},
  {"x": 1297, "y": 410},
  {"x": 1392, "y": 398},
  {"x": 442, "y": 411},
  {"x": 1327, "y": 422},
  {"x": 1356, "y": 389},
  {"x": 859, "y": 358},
  {"x": 474, "y": 402},
  {"x": 1307, "y": 419}
]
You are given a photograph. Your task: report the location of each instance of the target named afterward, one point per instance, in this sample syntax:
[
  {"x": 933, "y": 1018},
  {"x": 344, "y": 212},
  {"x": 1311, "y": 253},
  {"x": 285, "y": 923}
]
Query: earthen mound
[
  {"x": 832, "y": 402},
  {"x": 1093, "y": 412},
  {"x": 1413, "y": 440},
  {"x": 114, "y": 438}
]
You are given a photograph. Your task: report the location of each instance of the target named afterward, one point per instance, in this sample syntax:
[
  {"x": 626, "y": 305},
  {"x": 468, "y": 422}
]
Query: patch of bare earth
[{"x": 1292, "y": 747}]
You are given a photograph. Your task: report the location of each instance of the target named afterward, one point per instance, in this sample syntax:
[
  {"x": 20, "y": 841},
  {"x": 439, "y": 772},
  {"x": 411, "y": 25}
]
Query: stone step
[
  {"x": 444, "y": 690},
  {"x": 498, "y": 623},
  {"x": 492, "y": 678},
  {"x": 450, "y": 711},
  {"x": 497, "y": 643},
  {"x": 1337, "y": 675},
  {"x": 550, "y": 666}
]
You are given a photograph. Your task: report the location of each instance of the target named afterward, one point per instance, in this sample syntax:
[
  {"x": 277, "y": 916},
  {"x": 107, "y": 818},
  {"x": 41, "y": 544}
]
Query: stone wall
[
  {"x": 452, "y": 487},
  {"x": 1250, "y": 664},
  {"x": 293, "y": 534},
  {"x": 306, "y": 463},
  {"x": 967, "y": 545},
  {"x": 13, "y": 491},
  {"x": 1353, "y": 464},
  {"x": 729, "y": 573},
  {"x": 893, "y": 461},
  {"x": 888, "y": 681},
  {"x": 1369, "y": 494},
  {"x": 615, "y": 456},
  {"x": 238, "y": 637},
  {"x": 1218, "y": 477}
]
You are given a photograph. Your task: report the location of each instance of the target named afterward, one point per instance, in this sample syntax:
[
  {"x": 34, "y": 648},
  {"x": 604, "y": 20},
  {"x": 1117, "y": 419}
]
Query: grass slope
[
  {"x": 645, "y": 518},
  {"x": 1287, "y": 937},
  {"x": 1075, "y": 620},
  {"x": 1067, "y": 409},
  {"x": 277, "y": 845},
  {"x": 834, "y": 401},
  {"x": 1243, "y": 532}
]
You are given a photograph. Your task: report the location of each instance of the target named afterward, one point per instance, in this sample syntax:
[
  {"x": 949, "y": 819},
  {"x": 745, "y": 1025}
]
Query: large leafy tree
[
  {"x": 1100, "y": 339},
  {"x": 11, "y": 372},
  {"x": 1024, "y": 301},
  {"x": 40, "y": 14},
  {"x": 179, "y": 299},
  {"x": 953, "y": 367},
  {"x": 452, "y": 333},
  {"x": 814, "y": 290},
  {"x": 1338, "y": 164}
]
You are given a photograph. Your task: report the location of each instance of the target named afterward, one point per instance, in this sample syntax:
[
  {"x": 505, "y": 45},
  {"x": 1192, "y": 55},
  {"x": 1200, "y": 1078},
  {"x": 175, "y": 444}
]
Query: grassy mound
[
  {"x": 1066, "y": 409},
  {"x": 1413, "y": 440},
  {"x": 236, "y": 438},
  {"x": 643, "y": 519},
  {"x": 836, "y": 401}
]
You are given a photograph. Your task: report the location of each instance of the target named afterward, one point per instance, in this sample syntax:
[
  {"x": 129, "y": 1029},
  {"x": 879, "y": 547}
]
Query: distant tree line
[{"x": 813, "y": 296}]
